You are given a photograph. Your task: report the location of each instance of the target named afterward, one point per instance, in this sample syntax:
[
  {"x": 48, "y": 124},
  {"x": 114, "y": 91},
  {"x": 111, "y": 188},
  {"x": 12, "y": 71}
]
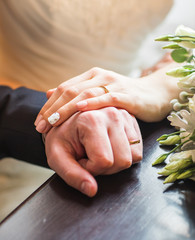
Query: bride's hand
[{"x": 98, "y": 88}]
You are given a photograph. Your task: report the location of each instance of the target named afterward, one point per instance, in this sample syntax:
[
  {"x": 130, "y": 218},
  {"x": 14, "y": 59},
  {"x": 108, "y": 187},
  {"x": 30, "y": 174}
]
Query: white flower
[
  {"x": 184, "y": 120},
  {"x": 185, "y": 31},
  {"x": 183, "y": 155},
  {"x": 180, "y": 155},
  {"x": 187, "y": 82},
  {"x": 182, "y": 164}
]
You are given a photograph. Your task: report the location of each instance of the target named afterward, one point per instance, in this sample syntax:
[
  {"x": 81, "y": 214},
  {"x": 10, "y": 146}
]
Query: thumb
[{"x": 65, "y": 165}]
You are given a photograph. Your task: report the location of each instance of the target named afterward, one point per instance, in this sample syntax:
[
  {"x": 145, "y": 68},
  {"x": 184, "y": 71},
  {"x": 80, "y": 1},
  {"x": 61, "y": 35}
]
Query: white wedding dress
[{"x": 45, "y": 42}]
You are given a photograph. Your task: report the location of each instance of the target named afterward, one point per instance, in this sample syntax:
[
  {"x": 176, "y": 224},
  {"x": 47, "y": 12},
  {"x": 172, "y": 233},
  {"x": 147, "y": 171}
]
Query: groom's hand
[{"x": 92, "y": 143}]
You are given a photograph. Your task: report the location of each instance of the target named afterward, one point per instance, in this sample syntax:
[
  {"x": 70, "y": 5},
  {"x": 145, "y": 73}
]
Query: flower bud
[
  {"x": 164, "y": 38},
  {"x": 185, "y": 95},
  {"x": 163, "y": 137},
  {"x": 173, "y": 101},
  {"x": 179, "y": 72},
  {"x": 180, "y": 155},
  {"x": 186, "y": 174},
  {"x": 172, "y": 177},
  {"x": 171, "y": 46},
  {"x": 165, "y": 172},
  {"x": 160, "y": 159},
  {"x": 178, "y": 165},
  {"x": 178, "y": 106},
  {"x": 171, "y": 140}
]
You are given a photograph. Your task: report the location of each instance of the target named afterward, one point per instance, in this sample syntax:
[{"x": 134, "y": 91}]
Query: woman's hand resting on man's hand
[{"x": 147, "y": 98}]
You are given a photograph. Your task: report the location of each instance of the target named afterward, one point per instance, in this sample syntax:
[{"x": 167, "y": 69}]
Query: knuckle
[
  {"x": 61, "y": 88},
  {"x": 126, "y": 163},
  {"x": 126, "y": 116},
  {"x": 124, "y": 113},
  {"x": 95, "y": 71},
  {"x": 115, "y": 98},
  {"x": 89, "y": 93},
  {"x": 71, "y": 92},
  {"x": 90, "y": 118},
  {"x": 113, "y": 114},
  {"x": 110, "y": 77},
  {"x": 104, "y": 162}
]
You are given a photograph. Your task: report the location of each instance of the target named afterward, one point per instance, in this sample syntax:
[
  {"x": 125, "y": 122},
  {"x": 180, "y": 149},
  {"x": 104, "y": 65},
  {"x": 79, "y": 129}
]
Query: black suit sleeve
[{"x": 18, "y": 137}]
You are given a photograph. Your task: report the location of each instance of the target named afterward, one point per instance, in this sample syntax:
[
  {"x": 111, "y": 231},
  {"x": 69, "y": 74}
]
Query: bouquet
[{"x": 181, "y": 159}]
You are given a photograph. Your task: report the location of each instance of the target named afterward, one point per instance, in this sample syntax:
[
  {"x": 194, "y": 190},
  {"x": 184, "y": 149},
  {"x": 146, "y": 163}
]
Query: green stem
[{"x": 175, "y": 148}]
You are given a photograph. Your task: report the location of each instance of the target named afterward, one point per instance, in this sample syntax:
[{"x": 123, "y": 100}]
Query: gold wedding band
[
  {"x": 105, "y": 89},
  {"x": 134, "y": 142}
]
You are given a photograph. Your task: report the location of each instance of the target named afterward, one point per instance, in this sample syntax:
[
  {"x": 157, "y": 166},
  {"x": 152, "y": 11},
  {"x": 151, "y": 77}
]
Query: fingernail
[
  {"x": 81, "y": 104},
  {"x": 54, "y": 118},
  {"x": 38, "y": 120},
  {"x": 41, "y": 126},
  {"x": 86, "y": 188}
]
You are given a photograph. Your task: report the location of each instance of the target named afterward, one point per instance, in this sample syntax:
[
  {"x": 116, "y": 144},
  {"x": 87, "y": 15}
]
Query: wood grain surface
[{"x": 133, "y": 204}]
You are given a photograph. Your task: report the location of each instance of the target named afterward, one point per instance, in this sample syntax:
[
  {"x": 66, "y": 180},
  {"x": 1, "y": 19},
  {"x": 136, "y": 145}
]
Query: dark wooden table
[{"x": 133, "y": 204}]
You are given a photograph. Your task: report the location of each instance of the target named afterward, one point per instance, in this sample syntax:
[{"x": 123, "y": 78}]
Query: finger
[
  {"x": 120, "y": 144},
  {"x": 60, "y": 90},
  {"x": 114, "y": 99},
  {"x": 55, "y": 116},
  {"x": 69, "y": 93},
  {"x": 72, "y": 92},
  {"x": 51, "y": 100},
  {"x": 62, "y": 161},
  {"x": 98, "y": 149},
  {"x": 133, "y": 134}
]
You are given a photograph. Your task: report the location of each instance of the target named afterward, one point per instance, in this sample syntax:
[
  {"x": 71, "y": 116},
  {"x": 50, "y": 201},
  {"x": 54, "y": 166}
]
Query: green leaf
[
  {"x": 180, "y": 55},
  {"x": 164, "y": 38},
  {"x": 172, "y": 46}
]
